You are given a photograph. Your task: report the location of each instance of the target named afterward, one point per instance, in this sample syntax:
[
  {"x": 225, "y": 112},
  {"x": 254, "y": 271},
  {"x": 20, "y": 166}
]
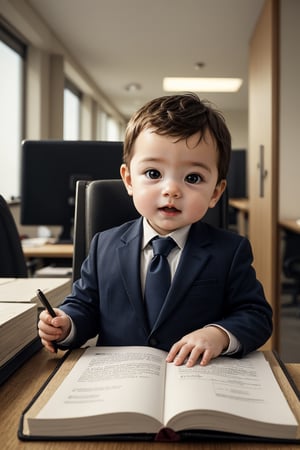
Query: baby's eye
[
  {"x": 153, "y": 174},
  {"x": 193, "y": 178}
]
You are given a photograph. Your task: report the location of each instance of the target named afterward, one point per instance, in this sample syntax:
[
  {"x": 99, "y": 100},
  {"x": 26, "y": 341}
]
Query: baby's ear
[
  {"x": 218, "y": 191},
  {"x": 126, "y": 177}
]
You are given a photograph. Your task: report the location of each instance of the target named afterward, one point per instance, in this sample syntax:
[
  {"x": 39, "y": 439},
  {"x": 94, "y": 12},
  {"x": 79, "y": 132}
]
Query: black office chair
[
  {"x": 103, "y": 204},
  {"x": 107, "y": 203},
  {"x": 12, "y": 259},
  {"x": 291, "y": 266}
]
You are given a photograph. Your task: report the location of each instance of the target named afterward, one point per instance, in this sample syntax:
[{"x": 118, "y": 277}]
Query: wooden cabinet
[{"x": 263, "y": 154}]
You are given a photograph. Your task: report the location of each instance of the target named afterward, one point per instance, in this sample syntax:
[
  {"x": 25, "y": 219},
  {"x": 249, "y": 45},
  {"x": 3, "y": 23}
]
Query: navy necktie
[{"x": 158, "y": 278}]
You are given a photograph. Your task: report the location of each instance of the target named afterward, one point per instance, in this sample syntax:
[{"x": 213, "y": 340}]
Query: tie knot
[{"x": 162, "y": 246}]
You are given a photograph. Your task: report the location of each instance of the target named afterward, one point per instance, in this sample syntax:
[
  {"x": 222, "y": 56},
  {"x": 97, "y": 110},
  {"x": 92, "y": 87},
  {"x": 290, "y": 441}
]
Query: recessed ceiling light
[
  {"x": 175, "y": 84},
  {"x": 199, "y": 65},
  {"x": 133, "y": 87}
]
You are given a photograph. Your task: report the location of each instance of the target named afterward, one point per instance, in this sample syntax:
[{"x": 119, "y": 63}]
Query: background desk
[
  {"x": 241, "y": 205},
  {"x": 55, "y": 255},
  {"x": 49, "y": 251},
  {"x": 290, "y": 224},
  {"x": 19, "y": 389}
]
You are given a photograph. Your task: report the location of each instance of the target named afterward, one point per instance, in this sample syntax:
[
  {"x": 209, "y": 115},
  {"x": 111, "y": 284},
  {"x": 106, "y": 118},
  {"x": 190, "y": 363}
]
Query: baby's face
[{"x": 172, "y": 182}]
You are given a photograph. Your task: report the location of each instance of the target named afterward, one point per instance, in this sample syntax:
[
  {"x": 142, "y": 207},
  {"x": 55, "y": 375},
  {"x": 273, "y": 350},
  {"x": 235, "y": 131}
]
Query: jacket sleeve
[
  {"x": 83, "y": 303},
  {"x": 248, "y": 315}
]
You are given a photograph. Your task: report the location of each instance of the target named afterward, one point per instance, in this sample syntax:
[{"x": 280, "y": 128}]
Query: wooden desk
[
  {"x": 290, "y": 224},
  {"x": 19, "y": 389},
  {"x": 242, "y": 207},
  {"x": 49, "y": 251}
]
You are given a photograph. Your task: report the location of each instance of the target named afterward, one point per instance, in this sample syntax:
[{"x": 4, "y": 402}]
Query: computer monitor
[
  {"x": 49, "y": 172},
  {"x": 237, "y": 174}
]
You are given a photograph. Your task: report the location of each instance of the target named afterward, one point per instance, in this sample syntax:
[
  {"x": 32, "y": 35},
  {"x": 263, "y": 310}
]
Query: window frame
[{"x": 12, "y": 40}]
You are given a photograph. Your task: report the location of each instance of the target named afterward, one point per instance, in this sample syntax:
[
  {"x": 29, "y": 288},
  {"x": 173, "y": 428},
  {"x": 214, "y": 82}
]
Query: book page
[
  {"x": 108, "y": 380},
  {"x": 6, "y": 280},
  {"x": 23, "y": 290},
  {"x": 244, "y": 388},
  {"x": 11, "y": 311}
]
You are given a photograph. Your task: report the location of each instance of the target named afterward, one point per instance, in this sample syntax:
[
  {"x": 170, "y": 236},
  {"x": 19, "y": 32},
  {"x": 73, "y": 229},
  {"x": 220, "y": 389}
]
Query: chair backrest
[
  {"x": 99, "y": 205},
  {"x": 12, "y": 260},
  {"x": 103, "y": 204}
]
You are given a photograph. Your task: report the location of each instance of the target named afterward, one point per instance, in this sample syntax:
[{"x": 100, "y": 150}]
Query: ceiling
[{"x": 118, "y": 42}]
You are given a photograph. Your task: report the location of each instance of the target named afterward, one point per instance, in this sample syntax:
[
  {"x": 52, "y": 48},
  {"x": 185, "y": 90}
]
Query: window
[
  {"x": 12, "y": 55},
  {"x": 112, "y": 130},
  {"x": 101, "y": 125},
  {"x": 72, "y": 98}
]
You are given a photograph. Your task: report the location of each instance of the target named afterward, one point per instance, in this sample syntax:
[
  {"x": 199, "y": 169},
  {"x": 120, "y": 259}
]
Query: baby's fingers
[
  {"x": 174, "y": 351},
  {"x": 180, "y": 353},
  {"x": 206, "y": 357},
  {"x": 49, "y": 346},
  {"x": 195, "y": 355}
]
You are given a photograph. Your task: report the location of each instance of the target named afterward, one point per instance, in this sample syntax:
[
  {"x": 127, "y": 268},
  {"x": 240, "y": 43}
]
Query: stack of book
[
  {"x": 19, "y": 310},
  {"x": 18, "y": 336},
  {"x": 17, "y": 328}
]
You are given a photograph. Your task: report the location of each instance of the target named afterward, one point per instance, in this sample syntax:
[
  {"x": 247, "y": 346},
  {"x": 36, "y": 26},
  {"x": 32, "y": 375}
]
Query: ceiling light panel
[{"x": 196, "y": 84}]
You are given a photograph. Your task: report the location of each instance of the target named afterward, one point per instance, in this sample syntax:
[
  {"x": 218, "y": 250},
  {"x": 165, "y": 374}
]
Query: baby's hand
[
  {"x": 53, "y": 328},
  {"x": 208, "y": 342}
]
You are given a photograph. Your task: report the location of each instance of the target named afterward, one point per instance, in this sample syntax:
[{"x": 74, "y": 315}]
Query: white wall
[
  {"x": 289, "y": 141},
  {"x": 237, "y": 122}
]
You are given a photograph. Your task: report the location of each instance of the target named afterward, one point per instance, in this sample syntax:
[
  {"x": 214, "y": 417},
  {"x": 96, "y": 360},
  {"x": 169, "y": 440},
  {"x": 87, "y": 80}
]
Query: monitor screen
[
  {"x": 49, "y": 172},
  {"x": 237, "y": 174}
]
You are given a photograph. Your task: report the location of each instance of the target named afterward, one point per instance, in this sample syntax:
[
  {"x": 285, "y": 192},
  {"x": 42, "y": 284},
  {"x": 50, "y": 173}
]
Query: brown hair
[{"x": 180, "y": 116}]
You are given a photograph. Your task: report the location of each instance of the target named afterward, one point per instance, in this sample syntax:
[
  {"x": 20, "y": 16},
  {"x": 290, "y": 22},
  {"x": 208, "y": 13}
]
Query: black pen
[{"x": 49, "y": 308}]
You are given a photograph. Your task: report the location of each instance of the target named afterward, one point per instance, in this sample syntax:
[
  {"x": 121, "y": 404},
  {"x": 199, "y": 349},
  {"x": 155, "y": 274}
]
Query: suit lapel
[{"x": 129, "y": 257}]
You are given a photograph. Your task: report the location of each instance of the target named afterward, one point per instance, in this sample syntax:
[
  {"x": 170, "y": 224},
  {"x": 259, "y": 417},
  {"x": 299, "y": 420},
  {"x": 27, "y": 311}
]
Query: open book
[{"x": 132, "y": 391}]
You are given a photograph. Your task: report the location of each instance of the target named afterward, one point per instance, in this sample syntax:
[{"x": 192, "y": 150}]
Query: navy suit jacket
[{"x": 214, "y": 283}]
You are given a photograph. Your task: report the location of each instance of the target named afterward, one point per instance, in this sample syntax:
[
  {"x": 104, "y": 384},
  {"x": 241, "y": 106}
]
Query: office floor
[{"x": 289, "y": 330}]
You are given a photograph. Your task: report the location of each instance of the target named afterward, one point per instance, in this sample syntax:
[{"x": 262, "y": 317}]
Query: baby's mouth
[{"x": 169, "y": 209}]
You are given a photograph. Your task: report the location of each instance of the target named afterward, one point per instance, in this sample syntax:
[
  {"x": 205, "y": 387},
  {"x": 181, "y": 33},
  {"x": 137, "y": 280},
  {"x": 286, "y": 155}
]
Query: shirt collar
[{"x": 179, "y": 236}]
